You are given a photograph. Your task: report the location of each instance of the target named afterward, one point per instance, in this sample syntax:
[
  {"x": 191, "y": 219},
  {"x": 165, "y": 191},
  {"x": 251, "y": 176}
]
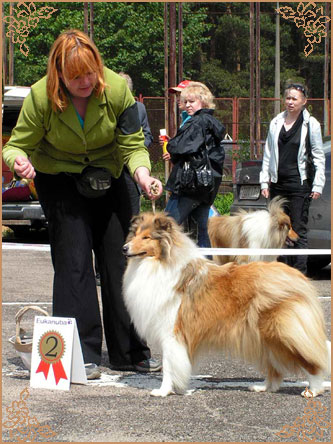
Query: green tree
[
  {"x": 27, "y": 70},
  {"x": 216, "y": 47},
  {"x": 224, "y": 62},
  {"x": 130, "y": 37}
]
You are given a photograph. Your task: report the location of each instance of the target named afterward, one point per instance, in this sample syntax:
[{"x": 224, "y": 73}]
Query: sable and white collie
[
  {"x": 266, "y": 313},
  {"x": 269, "y": 228}
]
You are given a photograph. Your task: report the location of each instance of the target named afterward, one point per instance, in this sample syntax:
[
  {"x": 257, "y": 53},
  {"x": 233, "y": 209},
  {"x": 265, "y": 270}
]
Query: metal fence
[{"x": 234, "y": 113}]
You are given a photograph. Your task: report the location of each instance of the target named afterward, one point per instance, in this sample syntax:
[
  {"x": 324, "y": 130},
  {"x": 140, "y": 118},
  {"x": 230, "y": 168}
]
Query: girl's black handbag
[
  {"x": 310, "y": 167},
  {"x": 196, "y": 175}
]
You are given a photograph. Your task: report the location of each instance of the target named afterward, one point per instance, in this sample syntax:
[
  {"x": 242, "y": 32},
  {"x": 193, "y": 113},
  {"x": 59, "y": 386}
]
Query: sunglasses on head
[{"x": 297, "y": 87}]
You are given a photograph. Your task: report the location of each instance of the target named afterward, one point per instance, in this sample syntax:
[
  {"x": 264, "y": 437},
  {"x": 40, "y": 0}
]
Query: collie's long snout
[
  {"x": 126, "y": 249},
  {"x": 292, "y": 235},
  {"x": 291, "y": 238}
]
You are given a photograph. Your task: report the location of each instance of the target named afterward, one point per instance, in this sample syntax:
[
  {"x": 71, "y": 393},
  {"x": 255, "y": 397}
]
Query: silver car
[{"x": 248, "y": 197}]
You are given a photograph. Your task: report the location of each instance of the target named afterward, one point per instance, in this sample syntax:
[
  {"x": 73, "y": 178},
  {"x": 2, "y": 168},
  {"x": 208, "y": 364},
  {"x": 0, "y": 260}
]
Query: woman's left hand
[
  {"x": 315, "y": 195},
  {"x": 152, "y": 187}
]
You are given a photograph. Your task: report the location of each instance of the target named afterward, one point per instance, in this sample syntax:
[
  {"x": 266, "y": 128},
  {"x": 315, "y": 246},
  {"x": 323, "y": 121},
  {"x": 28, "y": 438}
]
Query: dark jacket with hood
[{"x": 200, "y": 132}]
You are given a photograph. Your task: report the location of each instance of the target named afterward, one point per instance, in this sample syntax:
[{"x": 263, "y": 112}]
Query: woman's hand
[
  {"x": 265, "y": 193},
  {"x": 23, "y": 168},
  {"x": 162, "y": 139},
  {"x": 151, "y": 186},
  {"x": 315, "y": 195}
]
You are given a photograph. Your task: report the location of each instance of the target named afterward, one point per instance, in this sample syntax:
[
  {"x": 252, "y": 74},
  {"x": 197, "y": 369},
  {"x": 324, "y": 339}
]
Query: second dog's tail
[{"x": 276, "y": 205}]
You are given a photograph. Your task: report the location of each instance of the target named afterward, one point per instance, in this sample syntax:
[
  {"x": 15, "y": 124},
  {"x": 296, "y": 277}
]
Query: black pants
[
  {"x": 78, "y": 226},
  {"x": 297, "y": 209},
  {"x": 134, "y": 200}
]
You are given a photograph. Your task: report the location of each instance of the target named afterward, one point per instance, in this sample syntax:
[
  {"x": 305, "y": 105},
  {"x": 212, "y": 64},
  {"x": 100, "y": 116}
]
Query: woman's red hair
[{"x": 73, "y": 54}]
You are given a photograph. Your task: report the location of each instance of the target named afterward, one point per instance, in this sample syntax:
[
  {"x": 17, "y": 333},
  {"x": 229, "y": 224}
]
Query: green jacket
[{"x": 55, "y": 141}]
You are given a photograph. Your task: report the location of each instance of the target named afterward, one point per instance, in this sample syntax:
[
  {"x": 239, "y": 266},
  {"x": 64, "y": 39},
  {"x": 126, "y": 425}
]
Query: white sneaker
[{"x": 92, "y": 371}]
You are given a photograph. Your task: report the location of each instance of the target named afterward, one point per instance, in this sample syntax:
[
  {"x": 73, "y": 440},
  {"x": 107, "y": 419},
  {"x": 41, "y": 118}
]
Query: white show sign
[{"x": 56, "y": 359}]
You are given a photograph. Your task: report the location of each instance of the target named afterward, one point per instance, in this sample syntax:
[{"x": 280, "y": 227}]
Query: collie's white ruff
[
  {"x": 269, "y": 228},
  {"x": 265, "y": 313}
]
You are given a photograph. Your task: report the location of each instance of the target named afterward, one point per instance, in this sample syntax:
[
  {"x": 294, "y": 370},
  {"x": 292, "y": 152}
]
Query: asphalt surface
[{"x": 118, "y": 407}]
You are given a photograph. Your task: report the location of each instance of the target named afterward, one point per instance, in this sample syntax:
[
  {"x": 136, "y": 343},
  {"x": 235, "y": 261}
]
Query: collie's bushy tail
[{"x": 299, "y": 320}]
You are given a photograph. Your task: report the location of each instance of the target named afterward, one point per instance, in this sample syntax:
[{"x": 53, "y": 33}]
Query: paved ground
[{"x": 118, "y": 407}]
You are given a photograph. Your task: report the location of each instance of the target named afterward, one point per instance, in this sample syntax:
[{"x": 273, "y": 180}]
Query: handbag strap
[{"x": 308, "y": 141}]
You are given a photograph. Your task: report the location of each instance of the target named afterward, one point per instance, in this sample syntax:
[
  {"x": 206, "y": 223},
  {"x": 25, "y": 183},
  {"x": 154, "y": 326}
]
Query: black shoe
[
  {"x": 92, "y": 371},
  {"x": 148, "y": 365},
  {"x": 123, "y": 367}
]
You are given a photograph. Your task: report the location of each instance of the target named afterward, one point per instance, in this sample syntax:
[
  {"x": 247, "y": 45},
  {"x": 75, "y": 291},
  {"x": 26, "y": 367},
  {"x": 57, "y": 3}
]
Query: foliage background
[{"x": 215, "y": 38}]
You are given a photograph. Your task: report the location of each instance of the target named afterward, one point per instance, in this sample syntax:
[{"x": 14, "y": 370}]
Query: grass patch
[{"x": 223, "y": 202}]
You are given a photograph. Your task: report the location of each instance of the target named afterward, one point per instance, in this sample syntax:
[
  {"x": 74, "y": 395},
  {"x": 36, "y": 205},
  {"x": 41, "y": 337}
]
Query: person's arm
[
  {"x": 318, "y": 156},
  {"x": 145, "y": 181},
  {"x": 25, "y": 138},
  {"x": 161, "y": 141},
  {"x": 264, "y": 177},
  {"x": 145, "y": 124},
  {"x": 129, "y": 134},
  {"x": 24, "y": 168},
  {"x": 130, "y": 140}
]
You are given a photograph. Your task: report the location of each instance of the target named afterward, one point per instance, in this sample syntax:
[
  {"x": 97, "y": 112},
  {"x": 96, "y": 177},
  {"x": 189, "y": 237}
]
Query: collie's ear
[
  {"x": 284, "y": 222},
  {"x": 163, "y": 222},
  {"x": 135, "y": 222}
]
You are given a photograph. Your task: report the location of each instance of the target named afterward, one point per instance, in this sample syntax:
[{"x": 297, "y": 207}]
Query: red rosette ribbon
[{"x": 51, "y": 349}]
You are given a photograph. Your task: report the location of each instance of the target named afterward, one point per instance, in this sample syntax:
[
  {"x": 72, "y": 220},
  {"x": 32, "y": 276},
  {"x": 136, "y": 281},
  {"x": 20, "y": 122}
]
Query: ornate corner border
[
  {"x": 25, "y": 17},
  {"x": 305, "y": 17},
  {"x": 23, "y": 427},
  {"x": 311, "y": 426}
]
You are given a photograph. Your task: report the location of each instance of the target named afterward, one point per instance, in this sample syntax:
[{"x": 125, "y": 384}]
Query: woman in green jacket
[{"x": 77, "y": 129}]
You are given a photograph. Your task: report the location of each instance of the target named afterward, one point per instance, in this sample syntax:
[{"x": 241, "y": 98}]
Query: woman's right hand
[
  {"x": 23, "y": 168},
  {"x": 265, "y": 192},
  {"x": 162, "y": 139}
]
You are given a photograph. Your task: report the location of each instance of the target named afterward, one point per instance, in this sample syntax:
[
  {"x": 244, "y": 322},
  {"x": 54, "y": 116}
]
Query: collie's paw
[
  {"x": 178, "y": 391},
  {"x": 312, "y": 393},
  {"x": 160, "y": 392},
  {"x": 258, "y": 388}
]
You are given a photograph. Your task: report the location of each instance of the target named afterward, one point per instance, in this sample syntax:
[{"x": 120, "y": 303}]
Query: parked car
[
  {"x": 22, "y": 210},
  {"x": 248, "y": 197}
]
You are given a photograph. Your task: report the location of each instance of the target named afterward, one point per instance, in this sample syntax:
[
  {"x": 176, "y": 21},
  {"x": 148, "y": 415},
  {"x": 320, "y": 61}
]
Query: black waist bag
[{"x": 93, "y": 182}]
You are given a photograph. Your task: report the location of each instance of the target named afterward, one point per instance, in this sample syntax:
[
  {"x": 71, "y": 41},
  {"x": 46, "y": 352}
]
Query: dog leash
[{"x": 154, "y": 190}]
